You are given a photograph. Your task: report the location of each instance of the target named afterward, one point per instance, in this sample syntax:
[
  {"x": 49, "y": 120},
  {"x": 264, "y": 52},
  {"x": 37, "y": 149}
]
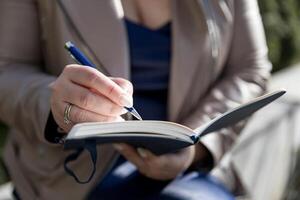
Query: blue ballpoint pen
[{"x": 79, "y": 57}]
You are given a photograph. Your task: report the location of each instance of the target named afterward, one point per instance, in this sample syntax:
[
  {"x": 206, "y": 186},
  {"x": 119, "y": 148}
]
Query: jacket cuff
[{"x": 53, "y": 133}]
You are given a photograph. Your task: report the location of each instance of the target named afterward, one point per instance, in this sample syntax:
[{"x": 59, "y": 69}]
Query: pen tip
[{"x": 136, "y": 114}]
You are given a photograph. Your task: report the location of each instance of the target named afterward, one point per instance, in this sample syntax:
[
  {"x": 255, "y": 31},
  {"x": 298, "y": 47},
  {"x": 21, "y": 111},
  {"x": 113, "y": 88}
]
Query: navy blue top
[{"x": 150, "y": 53}]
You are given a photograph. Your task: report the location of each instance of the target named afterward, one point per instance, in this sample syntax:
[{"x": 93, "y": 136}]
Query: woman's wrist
[{"x": 203, "y": 159}]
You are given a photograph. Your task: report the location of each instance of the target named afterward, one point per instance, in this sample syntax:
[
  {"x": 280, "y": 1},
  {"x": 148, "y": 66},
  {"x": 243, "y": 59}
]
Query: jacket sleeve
[
  {"x": 24, "y": 96},
  {"x": 244, "y": 77}
]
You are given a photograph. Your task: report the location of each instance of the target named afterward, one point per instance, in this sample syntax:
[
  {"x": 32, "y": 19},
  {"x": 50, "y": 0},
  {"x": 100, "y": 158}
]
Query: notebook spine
[{"x": 195, "y": 138}]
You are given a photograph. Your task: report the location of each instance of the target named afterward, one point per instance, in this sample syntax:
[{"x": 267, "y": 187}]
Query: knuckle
[
  {"x": 53, "y": 86},
  {"x": 111, "y": 89},
  {"x": 92, "y": 76}
]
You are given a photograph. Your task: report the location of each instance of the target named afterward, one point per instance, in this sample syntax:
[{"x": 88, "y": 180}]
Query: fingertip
[{"x": 126, "y": 100}]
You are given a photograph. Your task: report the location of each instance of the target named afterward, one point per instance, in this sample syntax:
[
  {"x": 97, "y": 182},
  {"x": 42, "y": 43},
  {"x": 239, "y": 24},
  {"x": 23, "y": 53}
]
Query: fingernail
[
  {"x": 125, "y": 100},
  {"x": 142, "y": 152},
  {"x": 127, "y": 90},
  {"x": 124, "y": 111},
  {"x": 119, "y": 147}
]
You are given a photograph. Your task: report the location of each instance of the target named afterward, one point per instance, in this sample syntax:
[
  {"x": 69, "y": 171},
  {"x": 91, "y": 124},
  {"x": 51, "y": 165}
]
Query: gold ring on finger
[{"x": 67, "y": 113}]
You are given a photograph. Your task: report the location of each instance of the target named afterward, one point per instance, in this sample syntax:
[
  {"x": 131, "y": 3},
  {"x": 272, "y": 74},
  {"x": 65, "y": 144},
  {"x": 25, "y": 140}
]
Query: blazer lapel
[
  {"x": 190, "y": 65},
  {"x": 106, "y": 41}
]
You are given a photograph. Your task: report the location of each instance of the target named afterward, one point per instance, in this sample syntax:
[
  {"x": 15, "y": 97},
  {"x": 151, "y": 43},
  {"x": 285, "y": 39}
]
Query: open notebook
[{"x": 160, "y": 136}]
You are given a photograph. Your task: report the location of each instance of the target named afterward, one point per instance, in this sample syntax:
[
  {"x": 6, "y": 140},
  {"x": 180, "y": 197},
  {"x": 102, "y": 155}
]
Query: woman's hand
[
  {"x": 164, "y": 167},
  {"x": 94, "y": 97}
]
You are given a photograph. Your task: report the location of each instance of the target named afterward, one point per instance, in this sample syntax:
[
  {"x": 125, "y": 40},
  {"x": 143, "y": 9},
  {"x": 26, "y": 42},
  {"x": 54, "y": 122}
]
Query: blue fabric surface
[{"x": 125, "y": 182}]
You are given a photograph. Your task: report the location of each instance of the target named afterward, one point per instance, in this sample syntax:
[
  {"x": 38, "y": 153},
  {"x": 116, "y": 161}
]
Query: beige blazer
[{"x": 219, "y": 60}]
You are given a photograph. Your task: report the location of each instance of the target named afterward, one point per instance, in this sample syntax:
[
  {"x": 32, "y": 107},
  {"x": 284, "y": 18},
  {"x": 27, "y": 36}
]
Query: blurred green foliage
[{"x": 282, "y": 25}]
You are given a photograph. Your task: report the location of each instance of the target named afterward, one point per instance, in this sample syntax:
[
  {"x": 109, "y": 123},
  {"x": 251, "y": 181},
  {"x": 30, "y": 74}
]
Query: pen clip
[{"x": 73, "y": 58}]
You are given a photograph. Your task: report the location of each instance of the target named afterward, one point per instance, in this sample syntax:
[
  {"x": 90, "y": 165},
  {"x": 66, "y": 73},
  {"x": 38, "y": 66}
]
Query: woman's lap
[{"x": 133, "y": 185}]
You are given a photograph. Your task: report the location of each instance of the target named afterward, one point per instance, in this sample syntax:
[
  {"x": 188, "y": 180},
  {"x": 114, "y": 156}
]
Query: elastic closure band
[{"x": 91, "y": 148}]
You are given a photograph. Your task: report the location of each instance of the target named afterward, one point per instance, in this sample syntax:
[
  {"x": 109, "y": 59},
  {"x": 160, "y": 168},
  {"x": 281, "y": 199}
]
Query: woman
[{"x": 187, "y": 60}]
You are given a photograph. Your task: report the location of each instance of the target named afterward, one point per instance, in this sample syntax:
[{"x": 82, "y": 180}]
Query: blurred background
[{"x": 282, "y": 25}]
